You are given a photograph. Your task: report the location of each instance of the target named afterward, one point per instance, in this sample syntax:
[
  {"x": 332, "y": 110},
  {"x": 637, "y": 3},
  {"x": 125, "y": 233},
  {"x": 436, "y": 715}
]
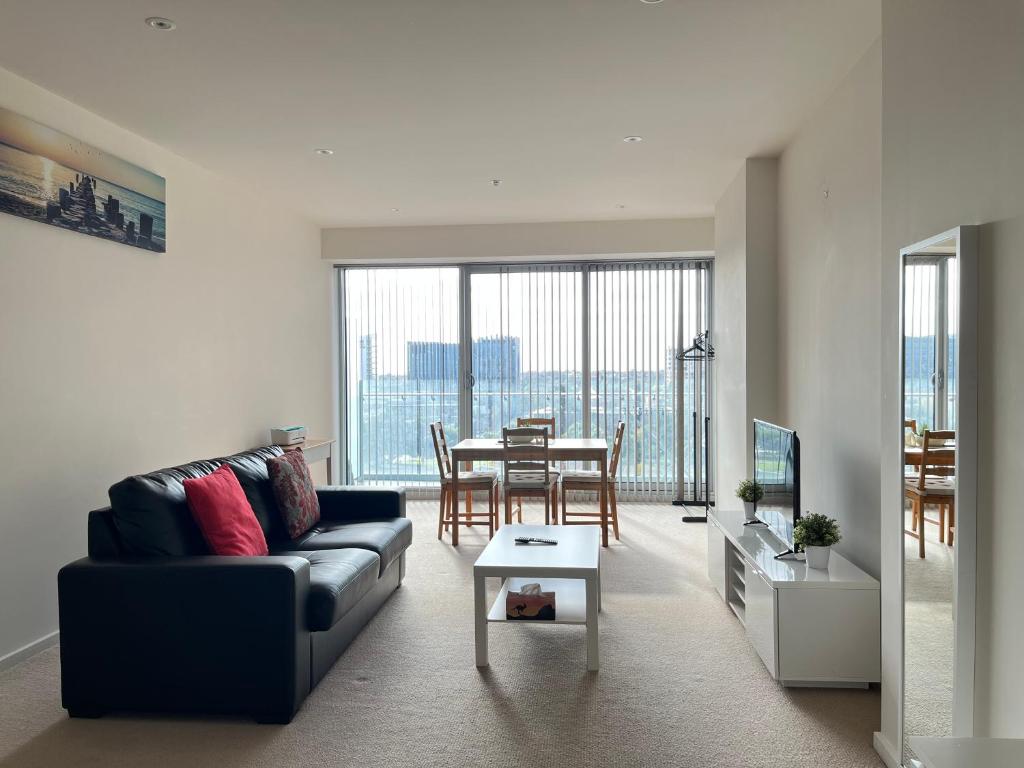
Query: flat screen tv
[{"x": 777, "y": 469}]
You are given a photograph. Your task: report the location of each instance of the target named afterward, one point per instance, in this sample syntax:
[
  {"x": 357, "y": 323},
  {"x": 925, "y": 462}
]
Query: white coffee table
[{"x": 572, "y": 570}]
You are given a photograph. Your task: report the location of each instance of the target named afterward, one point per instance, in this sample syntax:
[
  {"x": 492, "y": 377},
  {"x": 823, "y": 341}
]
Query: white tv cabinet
[{"x": 810, "y": 627}]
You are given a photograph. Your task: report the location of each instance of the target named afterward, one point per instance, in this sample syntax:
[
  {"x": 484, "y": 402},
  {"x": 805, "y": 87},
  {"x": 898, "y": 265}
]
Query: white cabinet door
[
  {"x": 760, "y": 618},
  {"x": 717, "y": 558},
  {"x": 829, "y": 635}
]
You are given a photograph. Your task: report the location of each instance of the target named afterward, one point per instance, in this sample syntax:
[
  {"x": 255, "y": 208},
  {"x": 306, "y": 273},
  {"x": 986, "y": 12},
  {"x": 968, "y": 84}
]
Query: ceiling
[{"x": 424, "y": 102}]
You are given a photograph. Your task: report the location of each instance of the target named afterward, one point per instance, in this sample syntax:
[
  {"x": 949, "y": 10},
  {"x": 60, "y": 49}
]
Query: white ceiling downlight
[
  {"x": 650, "y": 2},
  {"x": 323, "y": 152},
  {"x": 161, "y": 24},
  {"x": 633, "y": 139}
]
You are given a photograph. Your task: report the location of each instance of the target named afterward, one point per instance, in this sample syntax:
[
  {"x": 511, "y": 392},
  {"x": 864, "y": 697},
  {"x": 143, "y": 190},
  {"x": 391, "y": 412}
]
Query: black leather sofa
[{"x": 150, "y": 622}]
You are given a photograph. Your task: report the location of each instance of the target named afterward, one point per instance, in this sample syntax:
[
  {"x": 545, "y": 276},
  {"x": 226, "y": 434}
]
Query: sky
[{"x": 30, "y": 136}]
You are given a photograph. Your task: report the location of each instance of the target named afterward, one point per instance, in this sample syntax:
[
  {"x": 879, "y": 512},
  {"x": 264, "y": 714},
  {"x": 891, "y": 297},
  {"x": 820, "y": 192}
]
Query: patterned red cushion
[
  {"x": 293, "y": 489},
  {"x": 224, "y": 515}
]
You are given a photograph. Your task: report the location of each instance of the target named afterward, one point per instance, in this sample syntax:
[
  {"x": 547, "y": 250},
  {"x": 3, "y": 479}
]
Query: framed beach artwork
[{"x": 52, "y": 178}]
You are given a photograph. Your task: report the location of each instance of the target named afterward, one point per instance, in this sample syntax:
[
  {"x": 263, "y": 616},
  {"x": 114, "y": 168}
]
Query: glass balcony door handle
[{"x": 470, "y": 380}]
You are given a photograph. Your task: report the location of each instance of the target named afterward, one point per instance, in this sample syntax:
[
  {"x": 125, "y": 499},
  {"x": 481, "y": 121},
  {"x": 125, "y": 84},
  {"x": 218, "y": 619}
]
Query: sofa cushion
[
  {"x": 152, "y": 518},
  {"x": 251, "y": 469},
  {"x": 293, "y": 489},
  {"x": 389, "y": 537},
  {"x": 338, "y": 579},
  {"x": 224, "y": 515}
]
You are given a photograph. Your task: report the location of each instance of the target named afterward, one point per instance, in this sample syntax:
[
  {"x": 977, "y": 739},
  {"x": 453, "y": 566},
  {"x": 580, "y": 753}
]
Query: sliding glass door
[
  {"x": 526, "y": 347},
  {"x": 931, "y": 338},
  {"x": 400, "y": 354},
  {"x": 477, "y": 347},
  {"x": 641, "y": 319}
]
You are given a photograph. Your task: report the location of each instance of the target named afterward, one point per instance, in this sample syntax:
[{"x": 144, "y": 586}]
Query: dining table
[{"x": 559, "y": 449}]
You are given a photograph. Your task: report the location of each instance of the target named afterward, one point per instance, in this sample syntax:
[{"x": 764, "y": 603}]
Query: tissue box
[
  {"x": 530, "y": 606},
  {"x": 287, "y": 435}
]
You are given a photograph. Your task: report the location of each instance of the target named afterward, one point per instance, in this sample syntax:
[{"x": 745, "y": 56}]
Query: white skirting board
[
  {"x": 885, "y": 750},
  {"x": 27, "y": 651}
]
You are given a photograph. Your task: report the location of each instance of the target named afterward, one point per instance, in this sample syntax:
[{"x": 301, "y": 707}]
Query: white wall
[
  {"x": 744, "y": 322},
  {"x": 953, "y": 153},
  {"x": 114, "y": 360},
  {"x": 829, "y": 300},
  {"x": 496, "y": 242}
]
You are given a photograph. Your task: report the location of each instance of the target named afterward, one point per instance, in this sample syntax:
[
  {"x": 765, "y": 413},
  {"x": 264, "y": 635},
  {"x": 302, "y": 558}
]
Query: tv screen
[{"x": 777, "y": 469}]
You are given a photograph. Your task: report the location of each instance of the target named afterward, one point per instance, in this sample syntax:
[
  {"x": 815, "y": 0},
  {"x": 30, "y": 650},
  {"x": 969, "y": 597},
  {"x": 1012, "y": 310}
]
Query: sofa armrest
[
  {"x": 193, "y": 634},
  {"x": 340, "y": 503}
]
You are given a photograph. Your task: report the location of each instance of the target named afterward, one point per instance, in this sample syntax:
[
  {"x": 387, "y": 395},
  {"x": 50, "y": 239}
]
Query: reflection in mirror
[{"x": 930, "y": 337}]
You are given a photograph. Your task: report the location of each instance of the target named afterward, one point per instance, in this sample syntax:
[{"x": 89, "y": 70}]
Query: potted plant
[
  {"x": 751, "y": 492},
  {"x": 816, "y": 533}
]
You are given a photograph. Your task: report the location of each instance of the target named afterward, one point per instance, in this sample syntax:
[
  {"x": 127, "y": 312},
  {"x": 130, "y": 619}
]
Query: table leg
[
  {"x": 469, "y": 500},
  {"x": 593, "y": 602},
  {"x": 604, "y": 503},
  {"x": 455, "y": 501},
  {"x": 330, "y": 469},
  {"x": 480, "y": 616}
]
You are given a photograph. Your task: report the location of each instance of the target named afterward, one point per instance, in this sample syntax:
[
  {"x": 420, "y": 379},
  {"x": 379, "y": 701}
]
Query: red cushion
[
  {"x": 294, "y": 491},
  {"x": 224, "y": 515}
]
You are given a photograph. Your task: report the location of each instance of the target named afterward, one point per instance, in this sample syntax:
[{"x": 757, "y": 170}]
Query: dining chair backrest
[
  {"x": 526, "y": 450},
  {"x": 910, "y": 424},
  {"x": 548, "y": 422},
  {"x": 620, "y": 431},
  {"x": 538, "y": 421},
  {"x": 933, "y": 445},
  {"x": 444, "y": 461}
]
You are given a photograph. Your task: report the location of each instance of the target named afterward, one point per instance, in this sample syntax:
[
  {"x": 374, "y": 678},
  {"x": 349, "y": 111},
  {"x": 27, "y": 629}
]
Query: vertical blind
[
  {"x": 930, "y": 341},
  {"x": 400, "y": 346},
  {"x": 642, "y": 316},
  {"x": 527, "y": 350},
  {"x": 587, "y": 344}
]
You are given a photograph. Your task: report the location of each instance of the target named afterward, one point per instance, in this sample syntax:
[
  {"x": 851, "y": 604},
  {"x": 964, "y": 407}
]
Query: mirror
[{"x": 938, "y": 453}]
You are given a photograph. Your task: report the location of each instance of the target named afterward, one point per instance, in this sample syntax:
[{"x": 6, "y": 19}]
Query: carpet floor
[
  {"x": 928, "y": 637},
  {"x": 679, "y": 684}
]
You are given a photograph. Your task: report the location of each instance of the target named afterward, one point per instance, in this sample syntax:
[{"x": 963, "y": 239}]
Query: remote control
[{"x": 533, "y": 540}]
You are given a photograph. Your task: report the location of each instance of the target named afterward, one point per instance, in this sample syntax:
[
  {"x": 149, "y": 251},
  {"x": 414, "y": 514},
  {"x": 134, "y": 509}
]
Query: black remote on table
[{"x": 533, "y": 540}]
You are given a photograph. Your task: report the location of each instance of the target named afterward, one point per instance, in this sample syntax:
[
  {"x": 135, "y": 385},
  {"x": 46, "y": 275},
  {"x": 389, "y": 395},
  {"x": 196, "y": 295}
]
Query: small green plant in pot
[
  {"x": 816, "y": 533},
  {"x": 750, "y": 492}
]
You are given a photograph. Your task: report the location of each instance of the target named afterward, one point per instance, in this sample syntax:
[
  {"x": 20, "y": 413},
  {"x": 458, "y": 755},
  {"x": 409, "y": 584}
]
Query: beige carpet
[
  {"x": 679, "y": 684},
  {"x": 929, "y": 633}
]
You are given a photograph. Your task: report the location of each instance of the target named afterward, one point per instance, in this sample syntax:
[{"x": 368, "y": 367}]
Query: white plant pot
[
  {"x": 750, "y": 510},
  {"x": 817, "y": 557}
]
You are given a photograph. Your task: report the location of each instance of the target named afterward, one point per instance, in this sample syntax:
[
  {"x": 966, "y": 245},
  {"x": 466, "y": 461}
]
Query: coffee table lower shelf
[{"x": 570, "y": 600}]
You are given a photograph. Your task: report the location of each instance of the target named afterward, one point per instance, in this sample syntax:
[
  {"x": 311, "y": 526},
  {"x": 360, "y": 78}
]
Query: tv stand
[{"x": 810, "y": 627}]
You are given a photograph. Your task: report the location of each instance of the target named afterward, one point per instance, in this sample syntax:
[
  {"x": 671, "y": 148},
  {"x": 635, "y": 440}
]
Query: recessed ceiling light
[
  {"x": 620, "y": 205},
  {"x": 496, "y": 182},
  {"x": 633, "y": 139},
  {"x": 323, "y": 152},
  {"x": 159, "y": 22},
  {"x": 650, "y": 2},
  {"x": 394, "y": 210}
]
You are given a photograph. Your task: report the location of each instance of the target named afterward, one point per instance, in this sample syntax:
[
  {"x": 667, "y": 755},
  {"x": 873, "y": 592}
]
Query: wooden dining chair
[
  {"x": 590, "y": 480},
  {"x": 527, "y": 469},
  {"x": 468, "y": 481},
  {"x": 548, "y": 422},
  {"x": 929, "y": 488}
]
